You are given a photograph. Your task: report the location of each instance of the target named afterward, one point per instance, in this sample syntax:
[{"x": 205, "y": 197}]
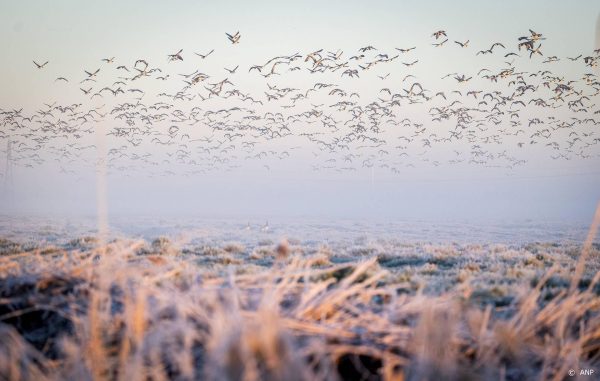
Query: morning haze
[{"x": 74, "y": 37}]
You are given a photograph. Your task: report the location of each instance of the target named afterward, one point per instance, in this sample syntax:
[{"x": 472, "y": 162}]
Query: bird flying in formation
[{"x": 235, "y": 38}]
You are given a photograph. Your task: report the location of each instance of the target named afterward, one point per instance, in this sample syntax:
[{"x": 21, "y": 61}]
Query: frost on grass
[{"x": 161, "y": 310}]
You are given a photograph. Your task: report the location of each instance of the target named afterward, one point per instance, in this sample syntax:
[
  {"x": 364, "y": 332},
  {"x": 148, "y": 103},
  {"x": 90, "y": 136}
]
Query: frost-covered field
[{"x": 296, "y": 301}]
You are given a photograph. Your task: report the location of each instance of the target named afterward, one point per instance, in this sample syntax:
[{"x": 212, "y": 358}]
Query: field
[{"x": 171, "y": 308}]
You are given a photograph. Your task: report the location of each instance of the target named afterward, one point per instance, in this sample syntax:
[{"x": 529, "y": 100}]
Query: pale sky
[{"x": 73, "y": 36}]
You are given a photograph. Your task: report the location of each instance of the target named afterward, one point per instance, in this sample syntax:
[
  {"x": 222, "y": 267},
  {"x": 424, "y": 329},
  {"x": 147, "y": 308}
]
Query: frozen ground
[{"x": 221, "y": 300}]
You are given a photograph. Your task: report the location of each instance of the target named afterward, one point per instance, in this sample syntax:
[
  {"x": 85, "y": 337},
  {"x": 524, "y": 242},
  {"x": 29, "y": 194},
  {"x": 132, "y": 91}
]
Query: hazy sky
[{"x": 75, "y": 35}]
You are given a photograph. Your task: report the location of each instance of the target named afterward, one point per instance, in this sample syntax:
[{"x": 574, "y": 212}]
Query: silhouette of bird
[
  {"x": 40, "y": 66},
  {"x": 235, "y": 38}
]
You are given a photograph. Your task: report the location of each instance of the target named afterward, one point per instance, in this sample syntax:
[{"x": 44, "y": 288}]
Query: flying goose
[
  {"x": 90, "y": 75},
  {"x": 177, "y": 56},
  {"x": 203, "y": 56},
  {"x": 40, "y": 66},
  {"x": 235, "y": 39}
]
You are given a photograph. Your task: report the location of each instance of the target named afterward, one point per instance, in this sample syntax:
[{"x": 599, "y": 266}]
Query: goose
[
  {"x": 203, "y": 56},
  {"x": 405, "y": 50},
  {"x": 536, "y": 50},
  {"x": 440, "y": 44},
  {"x": 140, "y": 61},
  {"x": 90, "y": 75},
  {"x": 462, "y": 78},
  {"x": 177, "y": 56},
  {"x": 439, "y": 34},
  {"x": 40, "y": 66},
  {"x": 235, "y": 39},
  {"x": 255, "y": 67},
  {"x": 535, "y": 36}
]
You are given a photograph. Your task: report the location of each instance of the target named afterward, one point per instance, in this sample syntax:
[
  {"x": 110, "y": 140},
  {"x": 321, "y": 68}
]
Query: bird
[
  {"x": 177, "y": 56},
  {"x": 439, "y": 34},
  {"x": 90, "y": 75},
  {"x": 203, "y": 56},
  {"x": 440, "y": 43},
  {"x": 535, "y": 36},
  {"x": 108, "y": 60},
  {"x": 232, "y": 71},
  {"x": 235, "y": 38},
  {"x": 462, "y": 78},
  {"x": 40, "y": 66},
  {"x": 366, "y": 48},
  {"x": 536, "y": 50},
  {"x": 462, "y": 44}
]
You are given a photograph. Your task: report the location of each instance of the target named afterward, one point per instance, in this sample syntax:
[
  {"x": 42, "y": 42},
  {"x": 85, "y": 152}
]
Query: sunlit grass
[{"x": 130, "y": 310}]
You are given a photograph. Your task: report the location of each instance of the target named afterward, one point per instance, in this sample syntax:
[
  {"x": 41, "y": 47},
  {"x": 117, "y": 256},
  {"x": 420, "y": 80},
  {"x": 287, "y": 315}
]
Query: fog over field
[{"x": 74, "y": 38}]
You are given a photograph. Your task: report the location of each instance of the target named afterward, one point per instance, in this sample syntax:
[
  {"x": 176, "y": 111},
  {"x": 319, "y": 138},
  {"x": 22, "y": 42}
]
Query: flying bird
[
  {"x": 440, "y": 43},
  {"x": 90, "y": 75},
  {"x": 439, "y": 34},
  {"x": 40, "y": 66},
  {"x": 203, "y": 56},
  {"x": 177, "y": 56},
  {"x": 235, "y": 38}
]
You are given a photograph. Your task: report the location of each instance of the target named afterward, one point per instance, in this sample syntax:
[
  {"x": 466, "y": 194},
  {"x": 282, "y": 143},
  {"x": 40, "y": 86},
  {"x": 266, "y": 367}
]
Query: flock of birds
[{"x": 208, "y": 123}]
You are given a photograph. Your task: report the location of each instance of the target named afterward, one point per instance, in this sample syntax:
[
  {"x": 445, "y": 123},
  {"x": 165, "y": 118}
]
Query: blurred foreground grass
[{"x": 135, "y": 310}]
